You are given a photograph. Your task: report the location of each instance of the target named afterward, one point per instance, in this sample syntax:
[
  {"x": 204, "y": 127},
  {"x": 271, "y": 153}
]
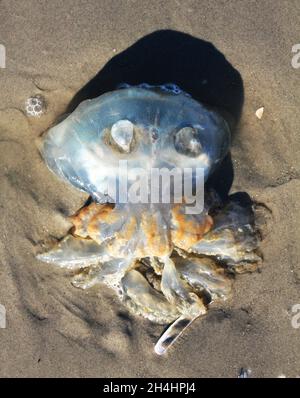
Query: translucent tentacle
[
  {"x": 233, "y": 238},
  {"x": 143, "y": 300},
  {"x": 178, "y": 293},
  {"x": 74, "y": 253},
  {"x": 110, "y": 273},
  {"x": 204, "y": 275}
]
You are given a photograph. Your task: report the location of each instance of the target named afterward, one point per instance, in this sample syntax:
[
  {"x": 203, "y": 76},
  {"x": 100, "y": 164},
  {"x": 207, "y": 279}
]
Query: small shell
[
  {"x": 35, "y": 106},
  {"x": 259, "y": 112}
]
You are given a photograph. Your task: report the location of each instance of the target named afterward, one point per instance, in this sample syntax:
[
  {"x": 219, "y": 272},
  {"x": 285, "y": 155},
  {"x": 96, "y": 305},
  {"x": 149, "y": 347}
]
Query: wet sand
[{"x": 54, "y": 330}]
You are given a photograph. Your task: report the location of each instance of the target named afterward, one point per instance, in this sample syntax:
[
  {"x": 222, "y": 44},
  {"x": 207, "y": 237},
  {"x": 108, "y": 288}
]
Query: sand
[{"x": 54, "y": 49}]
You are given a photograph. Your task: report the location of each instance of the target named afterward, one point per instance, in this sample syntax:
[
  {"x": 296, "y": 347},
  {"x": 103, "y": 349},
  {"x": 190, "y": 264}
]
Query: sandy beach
[{"x": 236, "y": 55}]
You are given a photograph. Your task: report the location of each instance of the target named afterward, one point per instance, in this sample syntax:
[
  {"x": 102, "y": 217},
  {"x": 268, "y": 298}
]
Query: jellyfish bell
[{"x": 148, "y": 126}]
